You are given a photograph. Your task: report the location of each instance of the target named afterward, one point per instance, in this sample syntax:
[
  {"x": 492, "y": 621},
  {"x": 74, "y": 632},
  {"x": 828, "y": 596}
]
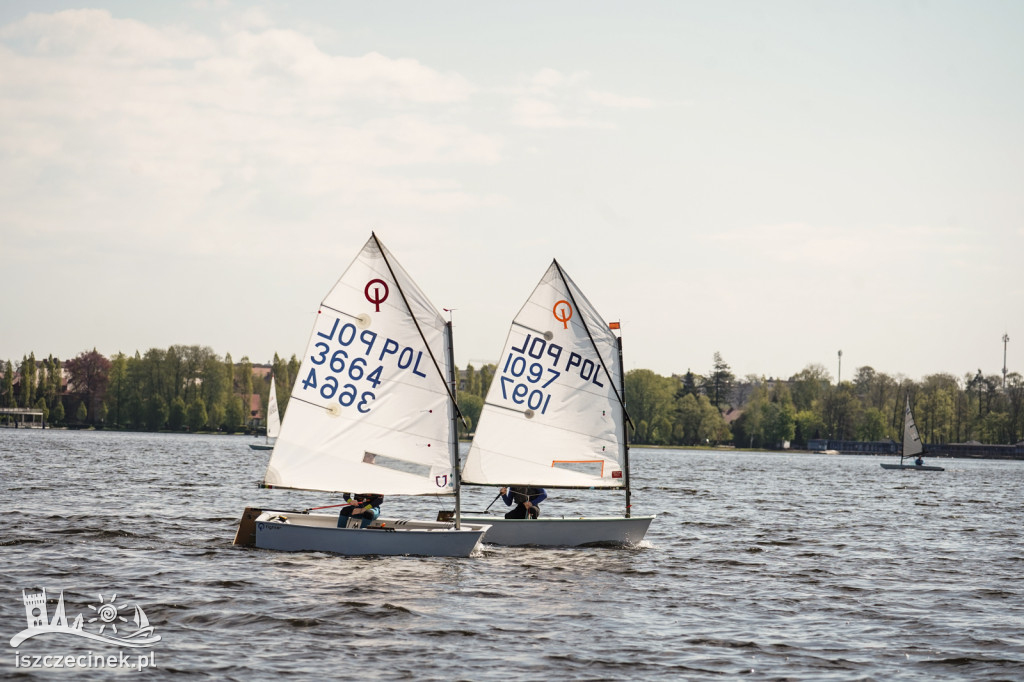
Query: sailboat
[
  {"x": 555, "y": 417},
  {"x": 372, "y": 410},
  {"x": 273, "y": 420},
  {"x": 912, "y": 445}
]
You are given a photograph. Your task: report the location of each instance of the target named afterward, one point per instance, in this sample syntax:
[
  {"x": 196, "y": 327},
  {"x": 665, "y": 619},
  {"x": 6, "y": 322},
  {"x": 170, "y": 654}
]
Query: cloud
[
  {"x": 95, "y": 33},
  {"x": 551, "y": 99},
  {"x": 111, "y": 126}
]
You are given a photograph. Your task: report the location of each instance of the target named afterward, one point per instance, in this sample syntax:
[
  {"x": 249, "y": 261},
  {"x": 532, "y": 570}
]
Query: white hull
[
  {"x": 297, "y": 532},
  {"x": 555, "y": 532}
]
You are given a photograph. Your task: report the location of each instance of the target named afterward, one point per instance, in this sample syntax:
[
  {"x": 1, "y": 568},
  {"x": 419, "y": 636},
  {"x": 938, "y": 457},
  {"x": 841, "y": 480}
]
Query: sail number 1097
[{"x": 528, "y": 391}]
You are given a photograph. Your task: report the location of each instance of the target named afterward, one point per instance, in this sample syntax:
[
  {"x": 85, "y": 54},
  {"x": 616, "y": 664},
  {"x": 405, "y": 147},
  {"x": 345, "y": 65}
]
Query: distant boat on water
[
  {"x": 912, "y": 446},
  {"x": 273, "y": 420}
]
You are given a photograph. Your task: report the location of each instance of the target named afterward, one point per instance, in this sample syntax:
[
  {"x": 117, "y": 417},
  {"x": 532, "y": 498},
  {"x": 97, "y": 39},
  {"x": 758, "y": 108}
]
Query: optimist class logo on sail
[{"x": 349, "y": 364}]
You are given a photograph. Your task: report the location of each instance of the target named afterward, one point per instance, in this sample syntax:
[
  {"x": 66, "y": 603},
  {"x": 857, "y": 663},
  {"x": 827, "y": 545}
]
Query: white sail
[
  {"x": 370, "y": 408},
  {"x": 273, "y": 418},
  {"x": 911, "y": 438},
  {"x": 552, "y": 416}
]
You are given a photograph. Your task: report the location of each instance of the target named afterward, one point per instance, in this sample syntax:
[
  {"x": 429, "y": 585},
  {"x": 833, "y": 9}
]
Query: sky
[{"x": 772, "y": 181}]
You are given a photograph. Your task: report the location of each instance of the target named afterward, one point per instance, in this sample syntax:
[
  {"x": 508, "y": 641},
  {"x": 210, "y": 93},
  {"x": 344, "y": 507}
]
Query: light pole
[
  {"x": 839, "y": 377},
  {"x": 1006, "y": 339}
]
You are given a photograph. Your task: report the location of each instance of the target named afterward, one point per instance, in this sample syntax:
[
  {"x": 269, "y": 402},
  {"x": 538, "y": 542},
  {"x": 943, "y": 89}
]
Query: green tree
[
  {"x": 215, "y": 389},
  {"x": 872, "y": 425},
  {"x": 117, "y": 387},
  {"x": 176, "y": 416},
  {"x": 8, "y": 393},
  {"x": 779, "y": 425},
  {"x": 719, "y": 384},
  {"x": 156, "y": 412},
  {"x": 46, "y": 385},
  {"x": 689, "y": 386},
  {"x": 58, "y": 412},
  {"x": 660, "y": 432},
  {"x": 82, "y": 413},
  {"x": 650, "y": 398},
  {"x": 196, "y": 415},
  {"x": 471, "y": 406},
  {"x": 235, "y": 414},
  {"x": 41, "y": 405},
  {"x": 688, "y": 416},
  {"x": 89, "y": 373},
  {"x": 28, "y": 380},
  {"x": 840, "y": 410},
  {"x": 486, "y": 374},
  {"x": 244, "y": 375},
  {"x": 57, "y": 380},
  {"x": 809, "y": 424},
  {"x": 809, "y": 386}
]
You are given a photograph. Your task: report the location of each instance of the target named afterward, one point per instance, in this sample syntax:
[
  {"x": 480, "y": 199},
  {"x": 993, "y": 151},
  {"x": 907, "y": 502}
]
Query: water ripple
[{"x": 765, "y": 566}]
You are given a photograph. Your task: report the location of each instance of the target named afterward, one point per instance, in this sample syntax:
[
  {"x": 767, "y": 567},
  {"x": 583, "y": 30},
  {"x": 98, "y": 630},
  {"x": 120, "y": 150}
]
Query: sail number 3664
[{"x": 339, "y": 364}]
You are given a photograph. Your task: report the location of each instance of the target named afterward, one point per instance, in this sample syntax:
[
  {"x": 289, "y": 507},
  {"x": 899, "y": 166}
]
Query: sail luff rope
[
  {"x": 416, "y": 322},
  {"x": 583, "y": 320}
]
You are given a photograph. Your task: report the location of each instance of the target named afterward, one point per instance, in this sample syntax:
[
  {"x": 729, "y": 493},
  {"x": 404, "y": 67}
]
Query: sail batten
[
  {"x": 553, "y": 414},
  {"x": 370, "y": 408}
]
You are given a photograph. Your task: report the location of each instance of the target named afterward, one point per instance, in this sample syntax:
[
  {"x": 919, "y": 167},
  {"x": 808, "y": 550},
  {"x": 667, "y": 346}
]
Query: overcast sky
[{"x": 775, "y": 181}]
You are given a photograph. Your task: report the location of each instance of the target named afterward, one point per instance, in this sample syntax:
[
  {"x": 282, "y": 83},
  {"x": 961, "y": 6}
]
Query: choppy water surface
[{"x": 762, "y": 566}]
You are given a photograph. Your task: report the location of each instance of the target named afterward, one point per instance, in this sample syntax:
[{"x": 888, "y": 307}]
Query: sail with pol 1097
[
  {"x": 555, "y": 417},
  {"x": 372, "y": 410}
]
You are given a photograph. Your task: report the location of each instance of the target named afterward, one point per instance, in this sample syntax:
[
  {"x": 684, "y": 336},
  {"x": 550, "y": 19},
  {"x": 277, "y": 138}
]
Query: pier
[{"x": 21, "y": 418}]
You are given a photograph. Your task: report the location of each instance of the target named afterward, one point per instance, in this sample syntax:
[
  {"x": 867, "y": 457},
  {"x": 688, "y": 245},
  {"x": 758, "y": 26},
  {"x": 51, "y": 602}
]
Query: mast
[
  {"x": 625, "y": 430},
  {"x": 454, "y": 430}
]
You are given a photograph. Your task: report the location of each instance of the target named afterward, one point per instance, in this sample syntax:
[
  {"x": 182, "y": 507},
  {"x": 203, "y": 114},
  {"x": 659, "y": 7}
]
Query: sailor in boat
[
  {"x": 526, "y": 500},
  {"x": 364, "y": 505},
  {"x": 919, "y": 462}
]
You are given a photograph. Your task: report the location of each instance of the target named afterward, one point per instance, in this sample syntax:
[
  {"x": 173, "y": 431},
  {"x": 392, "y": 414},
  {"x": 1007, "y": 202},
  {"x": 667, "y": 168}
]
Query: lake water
[{"x": 760, "y": 566}]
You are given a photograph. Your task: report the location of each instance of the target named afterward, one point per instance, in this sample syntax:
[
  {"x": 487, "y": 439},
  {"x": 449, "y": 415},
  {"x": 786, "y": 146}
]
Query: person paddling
[{"x": 526, "y": 500}]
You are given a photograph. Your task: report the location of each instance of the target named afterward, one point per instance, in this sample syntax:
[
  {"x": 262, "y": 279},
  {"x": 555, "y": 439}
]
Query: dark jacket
[{"x": 519, "y": 494}]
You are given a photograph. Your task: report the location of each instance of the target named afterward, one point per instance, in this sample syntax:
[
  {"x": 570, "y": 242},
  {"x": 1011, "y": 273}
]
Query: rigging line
[
  {"x": 340, "y": 312},
  {"x": 430, "y": 351},
  {"x": 583, "y": 320},
  {"x": 303, "y": 400}
]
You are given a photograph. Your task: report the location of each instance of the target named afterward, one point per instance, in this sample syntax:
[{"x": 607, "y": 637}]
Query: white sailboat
[
  {"x": 554, "y": 417},
  {"x": 912, "y": 445},
  {"x": 273, "y": 420},
  {"x": 372, "y": 410}
]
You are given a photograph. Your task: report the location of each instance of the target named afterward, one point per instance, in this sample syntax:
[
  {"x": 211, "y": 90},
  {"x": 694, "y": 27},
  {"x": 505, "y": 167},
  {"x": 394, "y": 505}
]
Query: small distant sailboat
[
  {"x": 912, "y": 445},
  {"x": 273, "y": 420}
]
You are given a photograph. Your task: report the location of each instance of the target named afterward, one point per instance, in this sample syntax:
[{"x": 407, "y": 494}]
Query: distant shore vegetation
[{"x": 193, "y": 389}]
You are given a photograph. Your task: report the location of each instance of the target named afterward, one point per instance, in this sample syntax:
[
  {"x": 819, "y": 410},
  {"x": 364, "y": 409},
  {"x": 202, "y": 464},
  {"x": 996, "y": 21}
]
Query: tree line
[
  {"x": 192, "y": 388},
  {"x": 178, "y": 388},
  {"x": 756, "y": 412}
]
